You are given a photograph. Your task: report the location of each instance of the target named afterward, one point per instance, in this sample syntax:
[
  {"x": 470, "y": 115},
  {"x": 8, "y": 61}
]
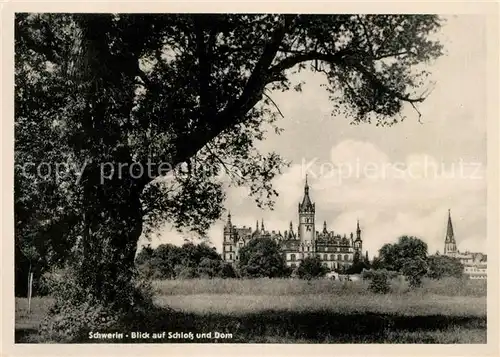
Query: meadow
[{"x": 300, "y": 311}]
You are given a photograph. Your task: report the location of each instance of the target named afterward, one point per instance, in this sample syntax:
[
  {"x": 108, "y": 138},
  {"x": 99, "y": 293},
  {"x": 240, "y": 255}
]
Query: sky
[{"x": 398, "y": 180}]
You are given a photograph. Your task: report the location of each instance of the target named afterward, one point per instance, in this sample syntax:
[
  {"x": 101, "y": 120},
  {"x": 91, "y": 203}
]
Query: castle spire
[
  {"x": 229, "y": 225},
  {"x": 257, "y": 225},
  {"x": 262, "y": 225},
  {"x": 324, "y": 227},
  {"x": 450, "y": 237},
  {"x": 306, "y": 204},
  {"x": 358, "y": 231}
]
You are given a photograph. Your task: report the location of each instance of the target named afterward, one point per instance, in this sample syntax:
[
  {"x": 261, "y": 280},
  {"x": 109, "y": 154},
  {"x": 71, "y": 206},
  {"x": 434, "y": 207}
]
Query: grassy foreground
[{"x": 297, "y": 311}]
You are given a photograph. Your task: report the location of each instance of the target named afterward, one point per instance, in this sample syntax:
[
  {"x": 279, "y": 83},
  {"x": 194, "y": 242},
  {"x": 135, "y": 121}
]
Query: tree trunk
[{"x": 112, "y": 227}]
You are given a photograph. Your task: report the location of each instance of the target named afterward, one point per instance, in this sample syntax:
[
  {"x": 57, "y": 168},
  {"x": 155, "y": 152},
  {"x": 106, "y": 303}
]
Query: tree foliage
[
  {"x": 357, "y": 267},
  {"x": 168, "y": 261},
  {"x": 441, "y": 266},
  {"x": 395, "y": 256},
  {"x": 311, "y": 267},
  {"x": 379, "y": 283},
  {"x": 262, "y": 258},
  {"x": 414, "y": 270}
]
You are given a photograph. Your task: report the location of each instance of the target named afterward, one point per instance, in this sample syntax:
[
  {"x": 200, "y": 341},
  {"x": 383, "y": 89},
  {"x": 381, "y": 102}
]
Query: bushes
[
  {"x": 379, "y": 283},
  {"x": 77, "y": 311},
  {"x": 311, "y": 267},
  {"x": 441, "y": 266},
  {"x": 369, "y": 274},
  {"x": 414, "y": 270},
  {"x": 228, "y": 271}
]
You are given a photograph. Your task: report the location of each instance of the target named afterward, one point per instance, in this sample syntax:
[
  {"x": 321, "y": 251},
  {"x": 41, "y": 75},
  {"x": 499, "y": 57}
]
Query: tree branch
[
  {"x": 344, "y": 58},
  {"x": 367, "y": 35},
  {"x": 275, "y": 105}
]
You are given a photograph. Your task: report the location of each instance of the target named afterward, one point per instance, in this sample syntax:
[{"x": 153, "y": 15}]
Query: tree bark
[{"x": 113, "y": 225}]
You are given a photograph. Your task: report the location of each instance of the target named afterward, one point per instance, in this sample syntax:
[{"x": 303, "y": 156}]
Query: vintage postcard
[{"x": 276, "y": 179}]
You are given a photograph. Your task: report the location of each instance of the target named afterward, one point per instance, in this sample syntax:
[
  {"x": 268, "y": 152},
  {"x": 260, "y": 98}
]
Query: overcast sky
[{"x": 395, "y": 195}]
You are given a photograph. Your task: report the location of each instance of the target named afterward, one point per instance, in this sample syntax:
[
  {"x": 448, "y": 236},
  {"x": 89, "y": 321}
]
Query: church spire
[
  {"x": 262, "y": 225},
  {"x": 450, "y": 237},
  {"x": 450, "y": 246}
]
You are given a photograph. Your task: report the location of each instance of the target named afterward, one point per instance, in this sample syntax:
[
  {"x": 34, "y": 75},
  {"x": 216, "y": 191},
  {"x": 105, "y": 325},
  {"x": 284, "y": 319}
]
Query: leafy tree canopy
[
  {"x": 311, "y": 267},
  {"x": 394, "y": 256},
  {"x": 262, "y": 258},
  {"x": 441, "y": 266}
]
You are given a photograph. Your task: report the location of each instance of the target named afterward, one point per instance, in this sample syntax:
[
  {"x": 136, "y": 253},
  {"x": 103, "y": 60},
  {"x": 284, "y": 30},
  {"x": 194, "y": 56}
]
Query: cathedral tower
[
  {"x": 450, "y": 246},
  {"x": 306, "y": 217}
]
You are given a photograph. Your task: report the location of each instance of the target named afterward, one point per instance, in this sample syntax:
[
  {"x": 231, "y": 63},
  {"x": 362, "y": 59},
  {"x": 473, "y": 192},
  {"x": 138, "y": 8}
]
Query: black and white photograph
[{"x": 251, "y": 178}]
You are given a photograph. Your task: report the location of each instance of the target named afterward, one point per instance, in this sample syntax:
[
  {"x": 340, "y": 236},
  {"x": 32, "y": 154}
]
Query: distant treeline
[
  {"x": 169, "y": 261},
  {"x": 264, "y": 258}
]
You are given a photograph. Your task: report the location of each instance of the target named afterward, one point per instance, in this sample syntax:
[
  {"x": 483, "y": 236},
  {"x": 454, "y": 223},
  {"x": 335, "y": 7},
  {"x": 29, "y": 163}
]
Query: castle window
[
  {"x": 339, "y": 257},
  {"x": 292, "y": 257},
  {"x": 325, "y": 257},
  {"x": 332, "y": 257},
  {"x": 346, "y": 257},
  {"x": 293, "y": 265},
  {"x": 241, "y": 245},
  {"x": 307, "y": 248},
  {"x": 231, "y": 249},
  {"x": 230, "y": 257}
]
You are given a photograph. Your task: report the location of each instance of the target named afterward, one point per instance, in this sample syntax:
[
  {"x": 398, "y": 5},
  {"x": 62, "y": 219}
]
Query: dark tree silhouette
[
  {"x": 262, "y": 258},
  {"x": 395, "y": 256},
  {"x": 441, "y": 266},
  {"x": 311, "y": 267}
]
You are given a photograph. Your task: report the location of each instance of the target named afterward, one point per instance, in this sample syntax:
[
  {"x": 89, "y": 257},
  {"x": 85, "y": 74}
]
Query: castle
[
  {"x": 335, "y": 251},
  {"x": 475, "y": 264}
]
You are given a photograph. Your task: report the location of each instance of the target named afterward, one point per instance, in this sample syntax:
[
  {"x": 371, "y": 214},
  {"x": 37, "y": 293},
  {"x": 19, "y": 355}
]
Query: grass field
[{"x": 284, "y": 311}]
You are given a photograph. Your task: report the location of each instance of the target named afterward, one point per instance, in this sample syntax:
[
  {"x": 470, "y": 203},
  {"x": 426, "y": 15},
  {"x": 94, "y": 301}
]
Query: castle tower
[
  {"x": 228, "y": 246},
  {"x": 358, "y": 243},
  {"x": 228, "y": 229},
  {"x": 306, "y": 217},
  {"x": 450, "y": 246}
]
